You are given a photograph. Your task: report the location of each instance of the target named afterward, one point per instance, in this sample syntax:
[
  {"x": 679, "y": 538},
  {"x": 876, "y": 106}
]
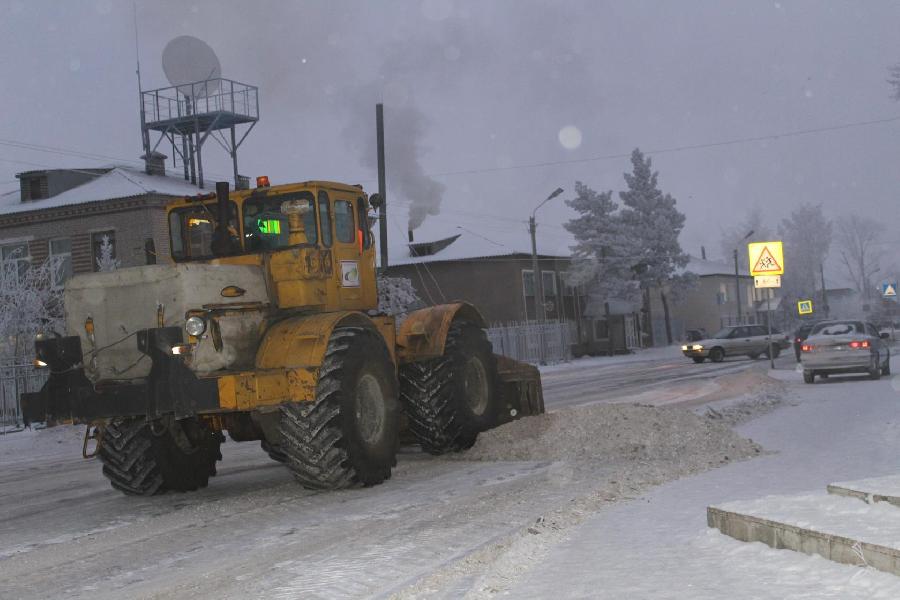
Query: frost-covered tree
[
  {"x": 106, "y": 261},
  {"x": 807, "y": 237},
  {"x": 600, "y": 256},
  {"x": 859, "y": 239},
  {"x": 736, "y": 237},
  {"x": 397, "y": 296},
  {"x": 653, "y": 224},
  {"x": 28, "y": 305}
]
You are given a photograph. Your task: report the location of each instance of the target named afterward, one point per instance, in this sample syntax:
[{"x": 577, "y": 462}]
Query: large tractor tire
[
  {"x": 349, "y": 434},
  {"x": 451, "y": 399},
  {"x": 141, "y": 458}
]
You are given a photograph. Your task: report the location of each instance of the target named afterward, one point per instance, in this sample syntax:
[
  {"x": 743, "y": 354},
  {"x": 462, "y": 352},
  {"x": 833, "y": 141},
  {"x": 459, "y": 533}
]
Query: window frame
[
  {"x": 54, "y": 284},
  {"x": 324, "y": 202},
  {"x": 23, "y": 263},
  {"x": 280, "y": 198},
  {"x": 96, "y": 239},
  {"x": 352, "y": 225}
]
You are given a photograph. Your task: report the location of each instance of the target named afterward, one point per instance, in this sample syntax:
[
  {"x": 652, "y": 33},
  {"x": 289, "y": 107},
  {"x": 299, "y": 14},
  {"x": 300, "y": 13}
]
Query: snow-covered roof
[
  {"x": 118, "y": 182},
  {"x": 703, "y": 267},
  {"x": 472, "y": 243}
]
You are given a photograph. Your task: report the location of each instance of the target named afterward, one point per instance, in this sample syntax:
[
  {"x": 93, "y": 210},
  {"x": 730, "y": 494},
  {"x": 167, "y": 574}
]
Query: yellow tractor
[{"x": 266, "y": 325}]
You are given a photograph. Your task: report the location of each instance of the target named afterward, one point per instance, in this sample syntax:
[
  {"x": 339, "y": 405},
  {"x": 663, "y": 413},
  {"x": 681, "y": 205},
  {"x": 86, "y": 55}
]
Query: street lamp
[
  {"x": 737, "y": 278},
  {"x": 538, "y": 280}
]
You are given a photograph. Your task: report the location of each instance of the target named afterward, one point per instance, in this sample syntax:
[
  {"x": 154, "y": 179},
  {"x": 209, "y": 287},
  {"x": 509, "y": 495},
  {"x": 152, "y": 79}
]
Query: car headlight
[
  {"x": 685, "y": 348},
  {"x": 195, "y": 326},
  {"x": 698, "y": 347}
]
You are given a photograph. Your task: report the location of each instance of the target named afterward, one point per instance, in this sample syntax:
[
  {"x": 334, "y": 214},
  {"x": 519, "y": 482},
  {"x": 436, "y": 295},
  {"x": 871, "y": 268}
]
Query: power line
[{"x": 669, "y": 150}]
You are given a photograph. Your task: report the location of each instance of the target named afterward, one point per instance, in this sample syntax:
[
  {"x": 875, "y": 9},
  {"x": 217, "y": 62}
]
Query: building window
[
  {"x": 722, "y": 294},
  {"x": 150, "y": 251},
  {"x": 104, "y": 250},
  {"x": 549, "y": 280},
  {"x": 528, "y": 283},
  {"x": 34, "y": 190},
  {"x": 61, "y": 261},
  {"x": 16, "y": 260},
  {"x": 601, "y": 329}
]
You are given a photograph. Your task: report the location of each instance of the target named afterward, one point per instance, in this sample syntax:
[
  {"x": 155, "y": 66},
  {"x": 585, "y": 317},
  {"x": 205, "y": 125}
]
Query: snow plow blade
[{"x": 520, "y": 389}]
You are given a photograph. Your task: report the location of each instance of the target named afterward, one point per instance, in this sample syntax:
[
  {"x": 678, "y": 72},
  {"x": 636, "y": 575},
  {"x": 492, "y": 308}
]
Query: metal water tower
[{"x": 199, "y": 103}]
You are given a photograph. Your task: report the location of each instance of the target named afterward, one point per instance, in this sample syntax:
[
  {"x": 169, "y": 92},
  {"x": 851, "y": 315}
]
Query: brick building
[{"x": 72, "y": 212}]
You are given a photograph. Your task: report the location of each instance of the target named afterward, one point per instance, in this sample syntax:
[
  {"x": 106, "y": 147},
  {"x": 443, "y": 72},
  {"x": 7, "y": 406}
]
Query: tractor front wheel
[
  {"x": 143, "y": 458},
  {"x": 349, "y": 434}
]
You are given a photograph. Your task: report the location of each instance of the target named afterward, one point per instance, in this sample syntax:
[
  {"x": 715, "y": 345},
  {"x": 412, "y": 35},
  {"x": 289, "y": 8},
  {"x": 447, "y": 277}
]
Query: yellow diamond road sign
[
  {"x": 804, "y": 307},
  {"x": 766, "y": 258}
]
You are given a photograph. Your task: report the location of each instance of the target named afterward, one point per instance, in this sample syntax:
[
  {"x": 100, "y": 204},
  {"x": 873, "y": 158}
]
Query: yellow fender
[
  {"x": 300, "y": 342},
  {"x": 288, "y": 360},
  {"x": 424, "y": 332}
]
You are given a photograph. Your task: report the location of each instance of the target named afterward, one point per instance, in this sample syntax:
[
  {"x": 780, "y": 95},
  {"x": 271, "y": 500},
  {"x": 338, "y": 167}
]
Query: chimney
[
  {"x": 410, "y": 234},
  {"x": 703, "y": 252},
  {"x": 155, "y": 163}
]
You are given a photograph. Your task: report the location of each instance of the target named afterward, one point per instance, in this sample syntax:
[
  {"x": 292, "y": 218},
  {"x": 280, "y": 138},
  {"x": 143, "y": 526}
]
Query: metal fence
[
  {"x": 525, "y": 340},
  {"x": 16, "y": 379}
]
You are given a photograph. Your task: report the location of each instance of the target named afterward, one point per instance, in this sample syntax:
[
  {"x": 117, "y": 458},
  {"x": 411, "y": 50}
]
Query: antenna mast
[{"x": 145, "y": 134}]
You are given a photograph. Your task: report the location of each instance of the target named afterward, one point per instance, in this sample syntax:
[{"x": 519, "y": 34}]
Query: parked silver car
[
  {"x": 739, "y": 340},
  {"x": 845, "y": 347}
]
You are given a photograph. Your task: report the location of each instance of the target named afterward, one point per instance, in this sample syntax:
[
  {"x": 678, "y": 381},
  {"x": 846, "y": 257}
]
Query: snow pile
[
  {"x": 616, "y": 434},
  {"x": 765, "y": 395}
]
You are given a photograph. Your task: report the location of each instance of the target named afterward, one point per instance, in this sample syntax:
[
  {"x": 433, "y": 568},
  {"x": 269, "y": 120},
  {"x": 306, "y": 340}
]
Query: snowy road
[
  {"x": 255, "y": 533},
  {"x": 570, "y": 385},
  {"x": 843, "y": 429}
]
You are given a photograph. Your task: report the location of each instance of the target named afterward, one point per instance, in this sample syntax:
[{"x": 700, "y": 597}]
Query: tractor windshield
[
  {"x": 266, "y": 227},
  {"x": 191, "y": 230}
]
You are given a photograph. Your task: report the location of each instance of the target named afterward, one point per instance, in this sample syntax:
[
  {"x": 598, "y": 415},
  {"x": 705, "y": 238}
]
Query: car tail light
[
  {"x": 862, "y": 344},
  {"x": 806, "y": 348},
  {"x": 799, "y": 340}
]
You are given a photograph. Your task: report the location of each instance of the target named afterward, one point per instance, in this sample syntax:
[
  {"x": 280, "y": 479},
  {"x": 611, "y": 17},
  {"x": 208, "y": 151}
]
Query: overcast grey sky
[{"x": 490, "y": 85}]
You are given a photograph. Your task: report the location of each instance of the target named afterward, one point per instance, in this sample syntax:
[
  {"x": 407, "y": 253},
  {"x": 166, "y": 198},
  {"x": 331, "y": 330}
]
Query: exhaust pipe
[
  {"x": 222, "y": 243},
  {"x": 410, "y": 234}
]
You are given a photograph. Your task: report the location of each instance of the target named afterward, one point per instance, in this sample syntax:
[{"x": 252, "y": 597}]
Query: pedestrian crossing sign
[
  {"x": 889, "y": 290},
  {"x": 766, "y": 258},
  {"x": 804, "y": 307}
]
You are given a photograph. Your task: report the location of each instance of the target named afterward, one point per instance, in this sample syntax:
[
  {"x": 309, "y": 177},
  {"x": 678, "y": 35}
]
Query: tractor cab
[{"x": 313, "y": 239}]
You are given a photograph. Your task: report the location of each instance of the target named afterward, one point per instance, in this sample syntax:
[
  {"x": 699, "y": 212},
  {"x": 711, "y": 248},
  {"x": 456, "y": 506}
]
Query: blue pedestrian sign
[{"x": 889, "y": 290}]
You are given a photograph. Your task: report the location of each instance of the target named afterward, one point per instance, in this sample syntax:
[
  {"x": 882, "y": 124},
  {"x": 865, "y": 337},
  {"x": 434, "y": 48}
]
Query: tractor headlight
[{"x": 195, "y": 326}]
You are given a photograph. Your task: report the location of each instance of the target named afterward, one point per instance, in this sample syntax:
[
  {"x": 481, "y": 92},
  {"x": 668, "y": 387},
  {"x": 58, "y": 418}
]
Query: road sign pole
[{"x": 769, "y": 324}]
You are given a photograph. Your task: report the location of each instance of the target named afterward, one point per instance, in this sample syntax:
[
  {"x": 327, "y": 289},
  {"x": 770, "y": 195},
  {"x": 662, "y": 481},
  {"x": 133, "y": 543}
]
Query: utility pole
[
  {"x": 737, "y": 286},
  {"x": 538, "y": 280},
  {"x": 737, "y": 277},
  {"x": 382, "y": 216},
  {"x": 824, "y": 291}
]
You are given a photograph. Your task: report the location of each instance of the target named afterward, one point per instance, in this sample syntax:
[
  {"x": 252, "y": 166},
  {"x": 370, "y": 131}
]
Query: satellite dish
[{"x": 188, "y": 60}]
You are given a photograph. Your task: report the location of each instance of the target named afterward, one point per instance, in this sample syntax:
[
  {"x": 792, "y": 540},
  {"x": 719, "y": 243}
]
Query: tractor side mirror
[{"x": 376, "y": 201}]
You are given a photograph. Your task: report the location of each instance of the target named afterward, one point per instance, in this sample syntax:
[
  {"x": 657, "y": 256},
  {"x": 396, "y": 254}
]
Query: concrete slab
[
  {"x": 878, "y": 489},
  {"x": 835, "y": 527}
]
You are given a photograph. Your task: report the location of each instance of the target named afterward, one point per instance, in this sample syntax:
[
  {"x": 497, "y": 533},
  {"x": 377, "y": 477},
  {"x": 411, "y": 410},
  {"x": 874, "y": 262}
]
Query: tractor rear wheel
[
  {"x": 451, "y": 399},
  {"x": 144, "y": 458},
  {"x": 350, "y": 433}
]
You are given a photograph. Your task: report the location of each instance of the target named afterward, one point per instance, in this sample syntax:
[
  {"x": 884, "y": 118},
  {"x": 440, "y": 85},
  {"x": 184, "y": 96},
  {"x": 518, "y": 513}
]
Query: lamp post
[
  {"x": 737, "y": 278},
  {"x": 538, "y": 280}
]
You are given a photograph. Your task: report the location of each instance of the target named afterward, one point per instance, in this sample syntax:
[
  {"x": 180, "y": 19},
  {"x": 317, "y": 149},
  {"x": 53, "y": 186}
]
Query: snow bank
[{"x": 616, "y": 433}]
